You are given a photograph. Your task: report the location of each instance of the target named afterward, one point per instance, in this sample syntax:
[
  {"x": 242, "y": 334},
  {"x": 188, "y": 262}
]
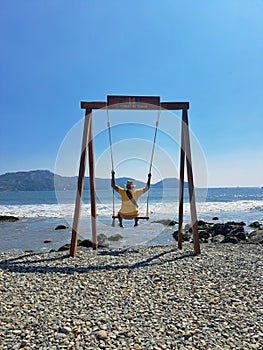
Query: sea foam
[{"x": 157, "y": 209}]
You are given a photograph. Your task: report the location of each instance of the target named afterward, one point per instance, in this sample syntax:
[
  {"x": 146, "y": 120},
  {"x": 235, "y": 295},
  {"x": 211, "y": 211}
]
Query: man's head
[{"x": 129, "y": 185}]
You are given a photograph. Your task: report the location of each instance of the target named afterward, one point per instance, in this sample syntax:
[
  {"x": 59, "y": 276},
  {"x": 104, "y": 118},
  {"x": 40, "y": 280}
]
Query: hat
[{"x": 129, "y": 183}]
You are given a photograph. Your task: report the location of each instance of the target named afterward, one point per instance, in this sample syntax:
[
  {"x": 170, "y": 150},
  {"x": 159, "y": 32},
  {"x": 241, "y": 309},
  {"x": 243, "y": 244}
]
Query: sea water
[{"x": 40, "y": 212}]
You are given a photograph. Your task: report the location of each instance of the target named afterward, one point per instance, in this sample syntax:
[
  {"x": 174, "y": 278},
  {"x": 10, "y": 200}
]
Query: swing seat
[{"x": 133, "y": 217}]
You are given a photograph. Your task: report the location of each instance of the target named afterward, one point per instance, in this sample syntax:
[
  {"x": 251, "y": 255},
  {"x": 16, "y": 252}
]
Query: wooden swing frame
[{"x": 133, "y": 103}]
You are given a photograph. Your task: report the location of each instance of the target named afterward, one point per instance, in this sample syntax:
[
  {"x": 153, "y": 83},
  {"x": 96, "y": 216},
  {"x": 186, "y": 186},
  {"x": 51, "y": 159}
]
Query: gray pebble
[{"x": 147, "y": 298}]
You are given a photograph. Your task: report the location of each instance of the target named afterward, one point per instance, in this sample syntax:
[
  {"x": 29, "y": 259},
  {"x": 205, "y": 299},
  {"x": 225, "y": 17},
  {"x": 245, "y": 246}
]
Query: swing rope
[
  {"x": 112, "y": 164},
  {"x": 151, "y": 161}
]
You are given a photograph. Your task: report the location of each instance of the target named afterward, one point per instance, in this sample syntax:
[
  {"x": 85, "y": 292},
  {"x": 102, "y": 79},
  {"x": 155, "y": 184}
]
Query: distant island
[{"x": 45, "y": 180}]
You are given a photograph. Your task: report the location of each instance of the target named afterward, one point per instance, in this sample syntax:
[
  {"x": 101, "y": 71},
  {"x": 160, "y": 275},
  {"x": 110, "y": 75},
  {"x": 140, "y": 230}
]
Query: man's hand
[
  {"x": 113, "y": 180},
  {"x": 149, "y": 179}
]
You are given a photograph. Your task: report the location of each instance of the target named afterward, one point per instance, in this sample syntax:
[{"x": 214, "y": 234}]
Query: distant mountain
[
  {"x": 37, "y": 180},
  {"x": 45, "y": 180}
]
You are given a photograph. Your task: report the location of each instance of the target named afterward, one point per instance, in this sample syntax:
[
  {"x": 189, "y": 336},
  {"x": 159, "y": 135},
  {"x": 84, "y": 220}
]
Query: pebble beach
[{"x": 138, "y": 298}]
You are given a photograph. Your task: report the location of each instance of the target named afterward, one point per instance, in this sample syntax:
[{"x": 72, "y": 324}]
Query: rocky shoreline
[
  {"x": 229, "y": 232},
  {"x": 209, "y": 232},
  {"x": 146, "y": 298}
]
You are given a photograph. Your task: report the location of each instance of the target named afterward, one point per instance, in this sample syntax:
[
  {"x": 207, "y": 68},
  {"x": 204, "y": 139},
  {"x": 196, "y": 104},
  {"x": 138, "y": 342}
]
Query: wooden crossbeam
[{"x": 172, "y": 106}]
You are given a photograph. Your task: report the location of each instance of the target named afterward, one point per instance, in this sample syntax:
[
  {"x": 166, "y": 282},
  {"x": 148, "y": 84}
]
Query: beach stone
[
  {"x": 102, "y": 334},
  {"x": 231, "y": 239},
  {"x": 188, "y": 227},
  {"x": 154, "y": 297},
  {"x": 102, "y": 238},
  {"x": 23, "y": 343},
  {"x": 65, "y": 330}
]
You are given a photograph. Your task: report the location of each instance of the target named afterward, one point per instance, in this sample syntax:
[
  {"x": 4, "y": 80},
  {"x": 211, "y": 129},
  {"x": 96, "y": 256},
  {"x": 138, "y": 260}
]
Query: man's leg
[
  {"x": 136, "y": 220},
  {"x": 120, "y": 220}
]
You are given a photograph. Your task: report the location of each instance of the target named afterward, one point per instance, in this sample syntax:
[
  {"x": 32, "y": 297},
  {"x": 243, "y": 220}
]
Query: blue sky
[{"x": 56, "y": 53}]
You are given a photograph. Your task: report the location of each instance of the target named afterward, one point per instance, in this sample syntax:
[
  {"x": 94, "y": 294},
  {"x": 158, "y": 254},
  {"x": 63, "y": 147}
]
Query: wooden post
[
  {"x": 92, "y": 186},
  {"x": 82, "y": 167},
  {"x": 181, "y": 190},
  {"x": 190, "y": 183}
]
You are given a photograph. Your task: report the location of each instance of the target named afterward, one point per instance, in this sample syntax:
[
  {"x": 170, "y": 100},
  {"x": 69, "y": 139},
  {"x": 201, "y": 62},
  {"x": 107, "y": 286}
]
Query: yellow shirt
[{"x": 127, "y": 207}]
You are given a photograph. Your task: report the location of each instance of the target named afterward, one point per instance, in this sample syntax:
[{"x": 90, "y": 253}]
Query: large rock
[
  {"x": 204, "y": 236},
  {"x": 256, "y": 237},
  {"x": 61, "y": 227},
  {"x": 101, "y": 238},
  {"x": 218, "y": 239},
  {"x": 88, "y": 244},
  {"x": 231, "y": 239},
  {"x": 186, "y": 236},
  {"x": 228, "y": 228},
  {"x": 8, "y": 218},
  {"x": 233, "y": 231},
  {"x": 166, "y": 222},
  {"x": 229, "y": 232},
  {"x": 255, "y": 224},
  {"x": 85, "y": 243},
  {"x": 115, "y": 237}
]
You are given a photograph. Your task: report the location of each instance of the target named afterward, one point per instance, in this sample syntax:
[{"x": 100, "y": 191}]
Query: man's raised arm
[{"x": 146, "y": 188}]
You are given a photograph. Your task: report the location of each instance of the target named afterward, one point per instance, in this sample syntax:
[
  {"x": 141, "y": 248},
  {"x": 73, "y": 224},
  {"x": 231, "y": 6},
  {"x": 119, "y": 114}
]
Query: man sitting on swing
[{"x": 129, "y": 197}]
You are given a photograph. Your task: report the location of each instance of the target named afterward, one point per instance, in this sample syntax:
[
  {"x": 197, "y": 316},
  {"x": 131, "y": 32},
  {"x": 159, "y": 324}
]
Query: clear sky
[{"x": 56, "y": 53}]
